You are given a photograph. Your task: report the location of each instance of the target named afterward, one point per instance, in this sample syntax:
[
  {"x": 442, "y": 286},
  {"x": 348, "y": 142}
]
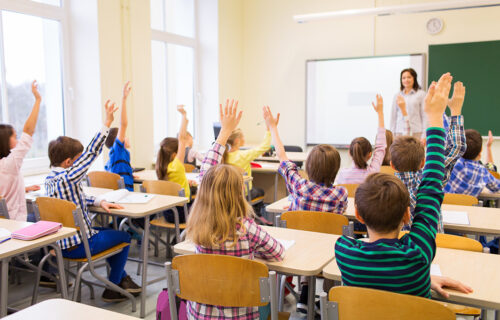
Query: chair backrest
[
  {"x": 363, "y": 303},
  {"x": 460, "y": 199},
  {"x": 351, "y": 189},
  {"x": 325, "y": 222},
  {"x": 57, "y": 210},
  {"x": 189, "y": 167},
  {"x": 104, "y": 179},
  {"x": 387, "y": 169},
  {"x": 293, "y": 149},
  {"x": 167, "y": 188},
  {"x": 451, "y": 241},
  {"x": 4, "y": 212},
  {"x": 495, "y": 174}
]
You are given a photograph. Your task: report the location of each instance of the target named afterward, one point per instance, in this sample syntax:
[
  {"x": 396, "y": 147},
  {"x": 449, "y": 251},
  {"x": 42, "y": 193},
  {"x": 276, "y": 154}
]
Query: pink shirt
[
  {"x": 357, "y": 175},
  {"x": 12, "y": 181}
]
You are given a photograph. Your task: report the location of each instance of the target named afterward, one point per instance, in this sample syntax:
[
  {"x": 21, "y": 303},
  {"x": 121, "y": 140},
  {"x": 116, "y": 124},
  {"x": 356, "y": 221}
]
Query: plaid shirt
[
  {"x": 311, "y": 196},
  {"x": 253, "y": 241},
  {"x": 66, "y": 184},
  {"x": 455, "y": 148},
  {"x": 470, "y": 177}
]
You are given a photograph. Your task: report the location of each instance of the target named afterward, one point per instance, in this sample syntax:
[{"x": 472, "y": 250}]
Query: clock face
[{"x": 434, "y": 25}]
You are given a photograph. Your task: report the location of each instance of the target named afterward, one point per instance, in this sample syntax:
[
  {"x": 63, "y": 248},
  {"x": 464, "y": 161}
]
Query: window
[
  {"x": 31, "y": 49},
  {"x": 173, "y": 48}
]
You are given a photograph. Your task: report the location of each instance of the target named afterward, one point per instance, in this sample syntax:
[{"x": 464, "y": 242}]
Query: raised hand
[
  {"x": 401, "y": 102},
  {"x": 110, "y": 109},
  {"x": 490, "y": 139},
  {"x": 229, "y": 118},
  {"x": 271, "y": 122},
  {"x": 126, "y": 89},
  {"x": 181, "y": 110},
  {"x": 437, "y": 99},
  {"x": 34, "y": 90},
  {"x": 457, "y": 100},
  {"x": 379, "y": 107}
]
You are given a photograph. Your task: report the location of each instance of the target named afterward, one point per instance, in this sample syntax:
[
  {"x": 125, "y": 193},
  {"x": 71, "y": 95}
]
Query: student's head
[
  {"x": 219, "y": 206},
  {"x": 360, "y": 150},
  {"x": 166, "y": 154},
  {"x": 322, "y": 164},
  {"x": 388, "y": 139},
  {"x": 110, "y": 140},
  {"x": 474, "y": 144},
  {"x": 407, "y": 154},
  {"x": 382, "y": 202},
  {"x": 8, "y": 139},
  {"x": 408, "y": 79},
  {"x": 235, "y": 140},
  {"x": 64, "y": 151}
]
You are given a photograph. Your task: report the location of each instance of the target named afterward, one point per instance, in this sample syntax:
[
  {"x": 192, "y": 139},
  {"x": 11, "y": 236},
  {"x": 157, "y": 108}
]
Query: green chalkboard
[{"x": 477, "y": 65}]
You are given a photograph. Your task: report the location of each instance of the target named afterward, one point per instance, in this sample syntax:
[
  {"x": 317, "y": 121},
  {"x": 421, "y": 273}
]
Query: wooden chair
[
  {"x": 495, "y": 174},
  {"x": 104, "y": 179},
  {"x": 303, "y": 174},
  {"x": 388, "y": 170},
  {"x": 325, "y": 222},
  {"x": 351, "y": 189},
  {"x": 217, "y": 280},
  {"x": 353, "y": 303},
  {"x": 460, "y": 199},
  {"x": 4, "y": 213},
  {"x": 66, "y": 213},
  {"x": 189, "y": 167},
  {"x": 167, "y": 188}
]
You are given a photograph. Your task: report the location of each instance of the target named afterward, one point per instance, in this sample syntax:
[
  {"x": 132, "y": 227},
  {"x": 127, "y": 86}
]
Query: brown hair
[
  {"x": 110, "y": 140},
  {"x": 322, "y": 164},
  {"x": 168, "y": 147},
  {"x": 236, "y": 134},
  {"x": 381, "y": 200},
  {"x": 6, "y": 131},
  {"x": 360, "y": 147},
  {"x": 413, "y": 73},
  {"x": 219, "y": 207},
  {"x": 407, "y": 154},
  {"x": 388, "y": 138},
  {"x": 474, "y": 144},
  {"x": 63, "y": 148}
]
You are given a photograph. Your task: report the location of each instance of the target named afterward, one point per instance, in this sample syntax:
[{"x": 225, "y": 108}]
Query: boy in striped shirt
[{"x": 382, "y": 203}]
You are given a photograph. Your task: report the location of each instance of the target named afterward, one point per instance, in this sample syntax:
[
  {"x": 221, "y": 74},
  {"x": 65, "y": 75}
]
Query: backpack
[{"x": 163, "y": 307}]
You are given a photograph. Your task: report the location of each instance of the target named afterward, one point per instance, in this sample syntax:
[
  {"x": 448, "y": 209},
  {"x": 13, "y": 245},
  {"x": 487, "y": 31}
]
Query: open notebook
[
  {"x": 286, "y": 243},
  {"x": 4, "y": 235},
  {"x": 125, "y": 196},
  {"x": 455, "y": 217}
]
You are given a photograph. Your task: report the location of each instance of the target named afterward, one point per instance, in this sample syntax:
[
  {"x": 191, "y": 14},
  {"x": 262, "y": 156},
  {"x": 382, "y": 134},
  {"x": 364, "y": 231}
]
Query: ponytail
[
  {"x": 359, "y": 149},
  {"x": 168, "y": 147},
  {"x": 230, "y": 143}
]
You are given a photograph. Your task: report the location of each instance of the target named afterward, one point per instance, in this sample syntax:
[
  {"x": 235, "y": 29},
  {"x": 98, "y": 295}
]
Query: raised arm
[
  {"x": 381, "y": 141},
  {"x": 489, "y": 154},
  {"x": 122, "y": 132},
  {"x": 30, "y": 124},
  {"x": 181, "y": 150},
  {"x": 272, "y": 125}
]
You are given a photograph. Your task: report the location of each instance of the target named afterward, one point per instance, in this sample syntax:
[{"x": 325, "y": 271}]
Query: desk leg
[
  {"x": 144, "y": 282},
  {"x": 4, "y": 287},
  {"x": 62, "y": 271},
  {"x": 311, "y": 283}
]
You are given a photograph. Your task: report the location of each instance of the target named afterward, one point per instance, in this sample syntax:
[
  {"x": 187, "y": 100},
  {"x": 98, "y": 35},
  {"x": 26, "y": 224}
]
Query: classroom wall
[{"x": 274, "y": 49}]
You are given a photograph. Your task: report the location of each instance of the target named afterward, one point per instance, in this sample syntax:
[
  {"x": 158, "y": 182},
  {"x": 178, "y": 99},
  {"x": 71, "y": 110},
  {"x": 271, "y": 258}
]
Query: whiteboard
[{"x": 340, "y": 92}]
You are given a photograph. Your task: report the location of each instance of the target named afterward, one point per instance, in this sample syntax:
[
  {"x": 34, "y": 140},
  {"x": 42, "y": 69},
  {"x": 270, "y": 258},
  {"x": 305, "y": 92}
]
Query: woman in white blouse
[{"x": 407, "y": 116}]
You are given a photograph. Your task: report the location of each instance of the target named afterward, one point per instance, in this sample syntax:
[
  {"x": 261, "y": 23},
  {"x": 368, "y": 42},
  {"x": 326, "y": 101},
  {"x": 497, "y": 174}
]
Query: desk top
[
  {"x": 151, "y": 175},
  {"x": 157, "y": 204},
  {"x": 14, "y": 247},
  {"x": 299, "y": 259},
  {"x": 476, "y": 269},
  {"x": 485, "y": 195},
  {"x": 267, "y": 167},
  {"x": 61, "y": 309},
  {"x": 482, "y": 220},
  {"x": 292, "y": 156}
]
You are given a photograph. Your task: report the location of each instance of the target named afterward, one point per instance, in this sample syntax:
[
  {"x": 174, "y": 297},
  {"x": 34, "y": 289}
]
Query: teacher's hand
[{"x": 400, "y": 100}]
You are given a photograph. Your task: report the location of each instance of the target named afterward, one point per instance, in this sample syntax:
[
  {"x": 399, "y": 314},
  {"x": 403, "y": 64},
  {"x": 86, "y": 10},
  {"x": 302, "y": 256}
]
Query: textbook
[
  {"x": 36, "y": 230},
  {"x": 125, "y": 196}
]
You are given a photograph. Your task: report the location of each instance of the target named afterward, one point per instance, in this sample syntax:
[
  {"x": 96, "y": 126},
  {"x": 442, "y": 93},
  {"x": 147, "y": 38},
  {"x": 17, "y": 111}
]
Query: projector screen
[{"x": 340, "y": 93}]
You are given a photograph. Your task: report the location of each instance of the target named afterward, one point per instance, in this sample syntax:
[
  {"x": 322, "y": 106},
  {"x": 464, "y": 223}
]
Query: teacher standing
[{"x": 407, "y": 116}]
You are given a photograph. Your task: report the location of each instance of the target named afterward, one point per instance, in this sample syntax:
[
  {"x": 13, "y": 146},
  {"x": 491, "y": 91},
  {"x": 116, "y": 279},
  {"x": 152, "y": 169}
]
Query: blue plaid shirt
[
  {"x": 455, "y": 148},
  {"x": 470, "y": 177},
  {"x": 66, "y": 184}
]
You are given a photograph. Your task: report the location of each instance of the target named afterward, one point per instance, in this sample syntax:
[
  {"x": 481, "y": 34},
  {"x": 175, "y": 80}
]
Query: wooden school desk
[
  {"x": 268, "y": 179},
  {"x": 486, "y": 195},
  {"x": 151, "y": 175},
  {"x": 292, "y": 156},
  {"x": 476, "y": 269},
  {"x": 310, "y": 253},
  {"x": 14, "y": 247},
  {"x": 482, "y": 221},
  {"x": 60, "y": 309},
  {"x": 158, "y": 204}
]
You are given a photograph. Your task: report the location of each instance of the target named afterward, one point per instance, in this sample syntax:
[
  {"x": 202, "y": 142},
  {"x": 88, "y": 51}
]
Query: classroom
[{"x": 249, "y": 159}]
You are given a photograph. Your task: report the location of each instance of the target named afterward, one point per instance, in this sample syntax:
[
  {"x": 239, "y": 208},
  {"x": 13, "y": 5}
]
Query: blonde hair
[
  {"x": 220, "y": 206},
  {"x": 236, "y": 134}
]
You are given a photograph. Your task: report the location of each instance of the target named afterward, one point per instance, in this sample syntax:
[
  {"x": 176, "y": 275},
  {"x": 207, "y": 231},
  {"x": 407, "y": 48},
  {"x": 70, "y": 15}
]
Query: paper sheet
[
  {"x": 435, "y": 270},
  {"x": 4, "y": 235},
  {"x": 286, "y": 243},
  {"x": 125, "y": 196},
  {"x": 455, "y": 217}
]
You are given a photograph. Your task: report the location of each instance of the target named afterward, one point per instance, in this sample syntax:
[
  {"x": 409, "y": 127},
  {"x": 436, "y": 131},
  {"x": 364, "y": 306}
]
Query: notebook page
[
  {"x": 455, "y": 217},
  {"x": 286, "y": 243},
  {"x": 435, "y": 270}
]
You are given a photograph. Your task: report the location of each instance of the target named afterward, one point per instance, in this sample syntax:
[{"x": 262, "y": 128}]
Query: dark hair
[
  {"x": 360, "y": 147},
  {"x": 474, "y": 144},
  {"x": 63, "y": 148},
  {"x": 110, "y": 140},
  {"x": 407, "y": 154},
  {"x": 322, "y": 164},
  {"x": 381, "y": 200},
  {"x": 388, "y": 139},
  {"x": 413, "y": 73},
  {"x": 6, "y": 131},
  {"x": 168, "y": 147}
]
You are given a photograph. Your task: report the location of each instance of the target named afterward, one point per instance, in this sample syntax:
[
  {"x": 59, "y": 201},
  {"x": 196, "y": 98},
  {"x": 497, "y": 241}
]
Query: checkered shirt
[{"x": 470, "y": 177}]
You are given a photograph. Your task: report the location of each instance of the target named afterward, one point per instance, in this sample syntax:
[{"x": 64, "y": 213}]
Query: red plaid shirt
[{"x": 311, "y": 196}]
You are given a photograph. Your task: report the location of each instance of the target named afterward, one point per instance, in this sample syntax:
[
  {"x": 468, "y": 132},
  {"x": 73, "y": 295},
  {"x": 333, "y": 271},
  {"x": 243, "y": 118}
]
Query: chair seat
[
  {"x": 161, "y": 222},
  {"x": 462, "y": 310},
  {"x": 257, "y": 200},
  {"x": 281, "y": 316},
  {"x": 118, "y": 247}
]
